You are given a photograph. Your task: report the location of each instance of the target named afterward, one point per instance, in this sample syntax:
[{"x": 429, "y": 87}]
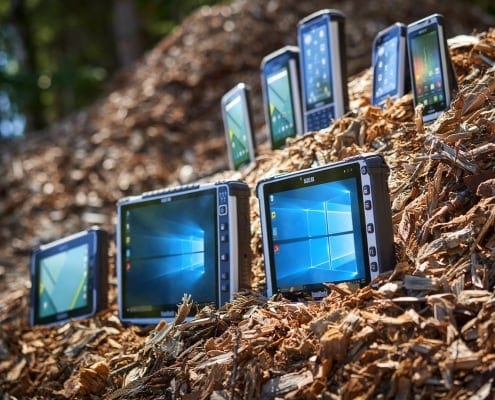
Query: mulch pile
[{"x": 425, "y": 330}]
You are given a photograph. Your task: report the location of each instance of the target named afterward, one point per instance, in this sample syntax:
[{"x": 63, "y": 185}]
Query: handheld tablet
[
  {"x": 389, "y": 64},
  {"x": 69, "y": 278},
  {"x": 321, "y": 38},
  {"x": 326, "y": 224},
  {"x": 281, "y": 95},
  {"x": 238, "y": 125},
  {"x": 190, "y": 239},
  {"x": 432, "y": 73}
]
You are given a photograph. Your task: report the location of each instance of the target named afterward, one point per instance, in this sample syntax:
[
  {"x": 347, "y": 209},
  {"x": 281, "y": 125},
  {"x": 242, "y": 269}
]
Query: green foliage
[
  {"x": 486, "y": 5},
  {"x": 60, "y": 53}
]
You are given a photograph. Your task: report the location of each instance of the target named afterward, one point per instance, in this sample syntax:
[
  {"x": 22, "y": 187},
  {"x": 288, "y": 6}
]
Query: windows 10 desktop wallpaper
[
  {"x": 316, "y": 234},
  {"x": 170, "y": 249}
]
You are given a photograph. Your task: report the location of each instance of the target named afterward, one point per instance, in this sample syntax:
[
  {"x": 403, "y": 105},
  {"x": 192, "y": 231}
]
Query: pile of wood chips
[{"x": 425, "y": 330}]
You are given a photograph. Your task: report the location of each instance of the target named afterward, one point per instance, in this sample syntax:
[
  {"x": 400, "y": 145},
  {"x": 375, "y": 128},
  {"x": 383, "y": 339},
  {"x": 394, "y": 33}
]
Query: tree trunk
[
  {"x": 21, "y": 23},
  {"x": 126, "y": 31}
]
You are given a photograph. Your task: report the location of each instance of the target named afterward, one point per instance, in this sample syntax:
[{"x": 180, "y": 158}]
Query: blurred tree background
[{"x": 55, "y": 56}]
